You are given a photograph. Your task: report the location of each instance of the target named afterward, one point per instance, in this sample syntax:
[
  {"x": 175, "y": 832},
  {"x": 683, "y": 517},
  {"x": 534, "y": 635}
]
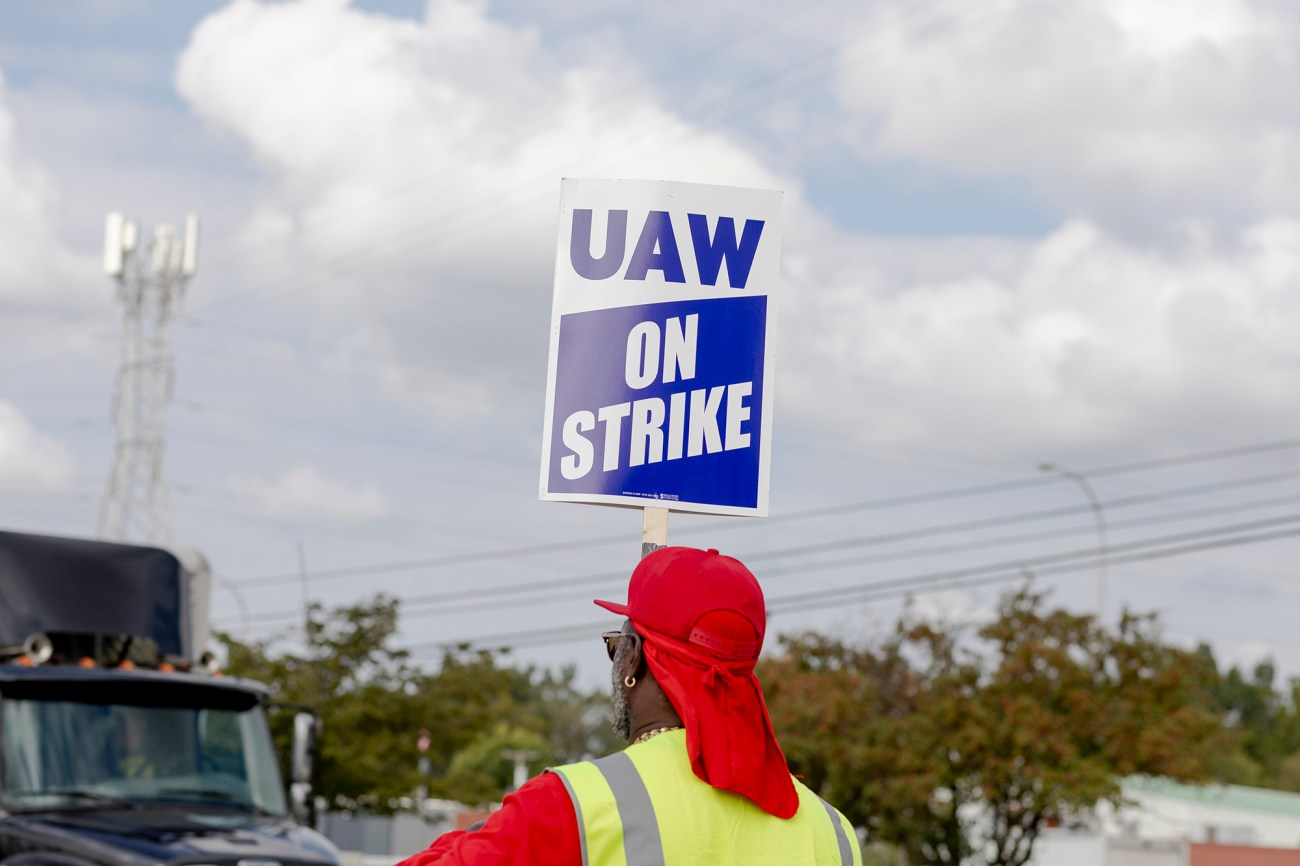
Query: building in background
[{"x": 1169, "y": 824}]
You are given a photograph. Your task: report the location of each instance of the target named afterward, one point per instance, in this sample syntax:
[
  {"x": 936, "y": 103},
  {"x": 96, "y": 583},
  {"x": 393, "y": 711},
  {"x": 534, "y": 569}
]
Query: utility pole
[
  {"x": 521, "y": 757},
  {"x": 423, "y": 767},
  {"x": 306, "y": 599},
  {"x": 151, "y": 280},
  {"x": 1099, "y": 515}
]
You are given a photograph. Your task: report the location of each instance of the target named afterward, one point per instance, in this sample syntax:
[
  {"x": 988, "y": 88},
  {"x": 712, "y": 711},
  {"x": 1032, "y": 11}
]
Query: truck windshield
[{"x": 56, "y": 752}]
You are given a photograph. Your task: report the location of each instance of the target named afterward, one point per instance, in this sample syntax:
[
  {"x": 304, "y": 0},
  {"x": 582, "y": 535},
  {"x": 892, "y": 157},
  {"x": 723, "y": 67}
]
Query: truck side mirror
[{"x": 302, "y": 765}]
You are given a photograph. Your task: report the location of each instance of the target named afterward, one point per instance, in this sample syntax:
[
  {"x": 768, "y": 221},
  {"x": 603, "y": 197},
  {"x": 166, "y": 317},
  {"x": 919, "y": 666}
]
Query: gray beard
[{"x": 620, "y": 717}]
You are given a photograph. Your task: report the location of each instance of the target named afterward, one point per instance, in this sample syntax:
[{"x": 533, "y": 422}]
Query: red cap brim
[{"x": 612, "y": 606}]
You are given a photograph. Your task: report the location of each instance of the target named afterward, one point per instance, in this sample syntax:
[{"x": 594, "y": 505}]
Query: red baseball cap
[{"x": 700, "y": 597}]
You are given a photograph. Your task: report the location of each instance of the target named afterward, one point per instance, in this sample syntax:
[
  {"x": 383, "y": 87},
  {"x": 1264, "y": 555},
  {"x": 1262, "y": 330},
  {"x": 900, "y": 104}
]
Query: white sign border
[{"x": 659, "y": 192}]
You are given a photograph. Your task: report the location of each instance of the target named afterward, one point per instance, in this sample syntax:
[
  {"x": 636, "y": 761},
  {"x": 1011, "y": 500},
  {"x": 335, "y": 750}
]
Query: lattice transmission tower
[{"x": 151, "y": 279}]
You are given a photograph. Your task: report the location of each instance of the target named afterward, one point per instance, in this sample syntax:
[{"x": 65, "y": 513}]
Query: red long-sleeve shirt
[{"x": 535, "y": 826}]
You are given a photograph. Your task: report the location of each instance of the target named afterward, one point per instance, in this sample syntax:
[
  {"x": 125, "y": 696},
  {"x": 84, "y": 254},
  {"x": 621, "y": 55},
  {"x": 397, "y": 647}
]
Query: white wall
[
  {"x": 1085, "y": 848},
  {"x": 1069, "y": 848},
  {"x": 1229, "y": 815},
  {"x": 1132, "y": 852}
]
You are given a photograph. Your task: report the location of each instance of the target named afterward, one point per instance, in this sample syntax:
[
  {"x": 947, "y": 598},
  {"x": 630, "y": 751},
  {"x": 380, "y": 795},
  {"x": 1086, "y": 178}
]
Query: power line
[
  {"x": 894, "y": 556},
  {"x": 449, "y": 226},
  {"x": 1083, "y": 555},
  {"x": 335, "y": 525},
  {"x": 816, "y": 513},
  {"x": 446, "y": 560},
  {"x": 185, "y": 437},
  {"x": 864, "y": 593},
  {"x": 306, "y": 425},
  {"x": 1012, "y": 572},
  {"x": 337, "y": 528},
  {"x": 43, "y": 358},
  {"x": 431, "y": 180},
  {"x": 483, "y": 598},
  {"x": 1041, "y": 481},
  {"x": 75, "y": 495},
  {"x": 372, "y": 361},
  {"x": 1024, "y": 516}
]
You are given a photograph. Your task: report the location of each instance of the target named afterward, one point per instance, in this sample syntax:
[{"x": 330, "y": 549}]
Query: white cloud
[
  {"x": 303, "y": 492},
  {"x": 1108, "y": 107},
  {"x": 29, "y": 460},
  {"x": 1080, "y": 340},
  {"x": 23, "y": 219},
  {"x": 428, "y": 188},
  {"x": 35, "y": 267},
  {"x": 54, "y": 299}
]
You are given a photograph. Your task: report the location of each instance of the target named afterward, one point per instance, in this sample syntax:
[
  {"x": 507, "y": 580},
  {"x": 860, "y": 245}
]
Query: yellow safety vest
[{"x": 644, "y": 806}]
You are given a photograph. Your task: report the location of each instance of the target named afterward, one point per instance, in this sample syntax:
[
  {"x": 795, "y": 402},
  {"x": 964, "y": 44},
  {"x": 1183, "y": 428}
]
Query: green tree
[
  {"x": 578, "y": 721},
  {"x": 373, "y": 702},
  {"x": 1261, "y": 723},
  {"x": 960, "y": 747},
  {"x": 483, "y": 769},
  {"x": 347, "y": 672}
]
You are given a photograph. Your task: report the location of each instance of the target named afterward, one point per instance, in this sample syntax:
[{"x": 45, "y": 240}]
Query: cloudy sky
[{"x": 1014, "y": 234}]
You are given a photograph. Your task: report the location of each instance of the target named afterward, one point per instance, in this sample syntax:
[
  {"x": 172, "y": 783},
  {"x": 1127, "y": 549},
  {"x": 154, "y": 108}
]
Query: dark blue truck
[{"x": 119, "y": 745}]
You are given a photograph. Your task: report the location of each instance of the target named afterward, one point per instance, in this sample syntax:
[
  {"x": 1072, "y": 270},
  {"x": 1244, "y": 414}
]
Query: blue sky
[{"x": 1008, "y": 238}]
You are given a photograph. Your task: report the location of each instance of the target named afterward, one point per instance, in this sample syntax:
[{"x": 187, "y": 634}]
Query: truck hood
[{"x": 174, "y": 836}]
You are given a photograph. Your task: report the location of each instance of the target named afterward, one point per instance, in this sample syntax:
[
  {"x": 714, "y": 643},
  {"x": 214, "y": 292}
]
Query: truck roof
[
  {"x": 110, "y": 685},
  {"x": 52, "y": 584}
]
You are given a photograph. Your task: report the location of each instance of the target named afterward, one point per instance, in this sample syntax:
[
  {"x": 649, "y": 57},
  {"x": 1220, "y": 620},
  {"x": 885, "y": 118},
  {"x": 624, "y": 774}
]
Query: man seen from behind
[{"x": 703, "y": 779}]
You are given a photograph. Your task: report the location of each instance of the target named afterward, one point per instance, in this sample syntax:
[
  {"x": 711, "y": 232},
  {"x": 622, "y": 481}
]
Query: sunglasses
[{"x": 611, "y": 639}]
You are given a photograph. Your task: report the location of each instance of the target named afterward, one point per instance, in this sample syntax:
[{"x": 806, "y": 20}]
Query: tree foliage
[
  {"x": 945, "y": 744},
  {"x": 373, "y": 701},
  {"x": 1262, "y": 725},
  {"x": 960, "y": 747}
]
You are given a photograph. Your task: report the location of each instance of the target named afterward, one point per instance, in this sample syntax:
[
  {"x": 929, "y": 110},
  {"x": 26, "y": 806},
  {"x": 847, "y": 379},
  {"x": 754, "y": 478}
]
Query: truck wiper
[
  {"x": 93, "y": 798},
  {"x": 212, "y": 797}
]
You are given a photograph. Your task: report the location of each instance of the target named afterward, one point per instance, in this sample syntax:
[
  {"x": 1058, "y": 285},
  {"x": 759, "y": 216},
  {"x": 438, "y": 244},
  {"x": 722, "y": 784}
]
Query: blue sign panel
[{"x": 661, "y": 402}]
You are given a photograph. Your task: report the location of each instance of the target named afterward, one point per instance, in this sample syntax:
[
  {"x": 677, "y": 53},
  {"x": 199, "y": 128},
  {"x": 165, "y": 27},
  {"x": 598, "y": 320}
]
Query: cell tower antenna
[{"x": 151, "y": 280}]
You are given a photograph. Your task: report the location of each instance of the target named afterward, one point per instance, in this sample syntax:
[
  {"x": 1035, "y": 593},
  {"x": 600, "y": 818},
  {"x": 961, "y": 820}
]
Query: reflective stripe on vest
[
  {"x": 846, "y": 853},
  {"x": 618, "y": 824}
]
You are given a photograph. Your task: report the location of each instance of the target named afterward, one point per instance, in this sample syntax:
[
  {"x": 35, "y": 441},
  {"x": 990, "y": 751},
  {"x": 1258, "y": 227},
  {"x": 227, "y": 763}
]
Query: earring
[{"x": 629, "y": 681}]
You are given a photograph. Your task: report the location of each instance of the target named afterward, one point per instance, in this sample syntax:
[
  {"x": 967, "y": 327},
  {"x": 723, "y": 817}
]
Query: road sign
[{"x": 659, "y": 385}]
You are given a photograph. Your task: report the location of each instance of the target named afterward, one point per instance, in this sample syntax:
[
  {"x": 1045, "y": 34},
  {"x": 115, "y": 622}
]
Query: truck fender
[{"x": 44, "y": 858}]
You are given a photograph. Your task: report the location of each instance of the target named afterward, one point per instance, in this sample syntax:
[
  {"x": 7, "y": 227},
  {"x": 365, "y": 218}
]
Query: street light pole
[
  {"x": 521, "y": 757},
  {"x": 1098, "y": 514}
]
